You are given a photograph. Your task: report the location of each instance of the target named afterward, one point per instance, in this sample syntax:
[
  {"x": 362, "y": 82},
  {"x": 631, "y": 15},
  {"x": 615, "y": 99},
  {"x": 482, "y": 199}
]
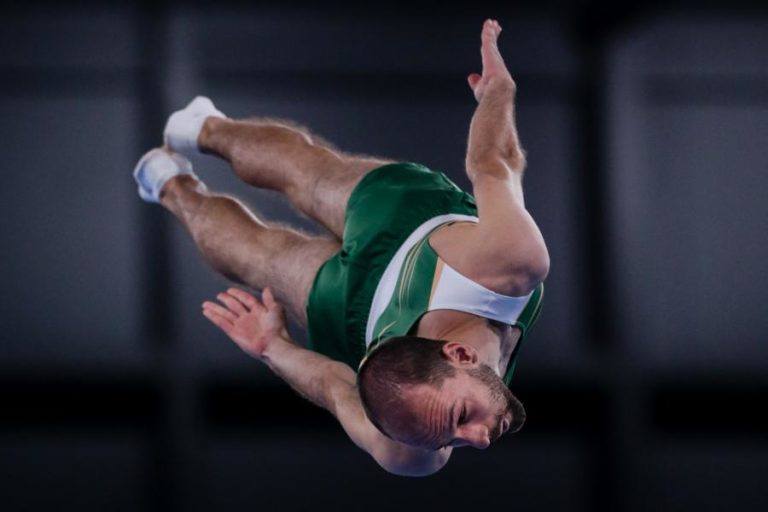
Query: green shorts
[{"x": 388, "y": 204}]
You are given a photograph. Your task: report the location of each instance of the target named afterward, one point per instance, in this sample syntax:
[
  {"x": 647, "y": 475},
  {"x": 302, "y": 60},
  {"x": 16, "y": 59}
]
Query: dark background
[{"x": 646, "y": 128}]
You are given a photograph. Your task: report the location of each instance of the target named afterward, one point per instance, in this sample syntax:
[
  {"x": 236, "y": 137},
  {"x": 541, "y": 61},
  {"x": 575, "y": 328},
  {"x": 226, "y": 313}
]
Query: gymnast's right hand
[{"x": 250, "y": 323}]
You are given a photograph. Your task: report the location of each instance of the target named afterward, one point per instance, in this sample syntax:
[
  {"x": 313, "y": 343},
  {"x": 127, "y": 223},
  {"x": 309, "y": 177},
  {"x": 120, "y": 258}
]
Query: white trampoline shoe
[
  {"x": 183, "y": 127},
  {"x": 155, "y": 168}
]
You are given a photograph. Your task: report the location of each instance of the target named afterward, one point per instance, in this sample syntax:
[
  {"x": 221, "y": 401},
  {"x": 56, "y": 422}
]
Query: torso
[{"x": 449, "y": 242}]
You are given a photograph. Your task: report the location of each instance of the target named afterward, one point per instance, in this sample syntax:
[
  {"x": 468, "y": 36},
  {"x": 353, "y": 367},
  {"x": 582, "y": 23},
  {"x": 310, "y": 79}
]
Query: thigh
[
  {"x": 325, "y": 200},
  {"x": 293, "y": 269}
]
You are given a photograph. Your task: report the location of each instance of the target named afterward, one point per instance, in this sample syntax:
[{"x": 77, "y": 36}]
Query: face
[{"x": 463, "y": 412}]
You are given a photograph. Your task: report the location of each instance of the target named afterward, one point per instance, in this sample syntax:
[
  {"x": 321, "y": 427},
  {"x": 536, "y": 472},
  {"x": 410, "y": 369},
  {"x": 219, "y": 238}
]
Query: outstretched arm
[
  {"x": 493, "y": 142},
  {"x": 495, "y": 162},
  {"x": 259, "y": 329}
]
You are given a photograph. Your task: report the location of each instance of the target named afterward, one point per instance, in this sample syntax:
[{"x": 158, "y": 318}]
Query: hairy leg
[
  {"x": 246, "y": 250},
  {"x": 282, "y": 156}
]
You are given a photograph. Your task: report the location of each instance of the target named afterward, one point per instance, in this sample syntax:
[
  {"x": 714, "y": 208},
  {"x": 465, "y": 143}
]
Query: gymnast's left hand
[{"x": 251, "y": 323}]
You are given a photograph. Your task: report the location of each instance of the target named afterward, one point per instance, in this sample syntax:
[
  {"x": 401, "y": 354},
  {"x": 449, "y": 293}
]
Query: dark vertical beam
[
  {"x": 595, "y": 277},
  {"x": 620, "y": 434},
  {"x": 591, "y": 139},
  {"x": 164, "y": 35},
  {"x": 151, "y": 37},
  {"x": 596, "y": 283},
  {"x": 151, "y": 32}
]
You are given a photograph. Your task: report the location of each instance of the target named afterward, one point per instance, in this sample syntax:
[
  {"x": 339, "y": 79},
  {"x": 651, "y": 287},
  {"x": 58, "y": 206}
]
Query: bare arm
[
  {"x": 511, "y": 241},
  {"x": 259, "y": 329},
  {"x": 335, "y": 389},
  {"x": 494, "y": 146},
  {"x": 493, "y": 142}
]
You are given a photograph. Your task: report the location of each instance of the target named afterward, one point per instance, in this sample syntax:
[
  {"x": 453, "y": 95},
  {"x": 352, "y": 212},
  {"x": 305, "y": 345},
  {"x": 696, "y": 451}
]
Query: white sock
[
  {"x": 155, "y": 168},
  {"x": 183, "y": 127}
]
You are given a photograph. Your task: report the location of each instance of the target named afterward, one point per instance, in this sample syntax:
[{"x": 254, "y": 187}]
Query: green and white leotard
[{"x": 387, "y": 275}]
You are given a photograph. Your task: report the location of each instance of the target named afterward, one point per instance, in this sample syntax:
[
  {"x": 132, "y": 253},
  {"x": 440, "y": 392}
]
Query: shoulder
[
  {"x": 395, "y": 457},
  {"x": 484, "y": 257},
  {"x": 506, "y": 237}
]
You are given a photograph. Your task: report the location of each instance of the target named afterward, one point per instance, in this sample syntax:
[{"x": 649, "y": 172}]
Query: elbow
[
  {"x": 531, "y": 272},
  {"x": 539, "y": 268},
  {"x": 411, "y": 471},
  {"x": 408, "y": 463}
]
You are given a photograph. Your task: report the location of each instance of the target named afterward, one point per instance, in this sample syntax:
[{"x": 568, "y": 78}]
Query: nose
[{"x": 478, "y": 437}]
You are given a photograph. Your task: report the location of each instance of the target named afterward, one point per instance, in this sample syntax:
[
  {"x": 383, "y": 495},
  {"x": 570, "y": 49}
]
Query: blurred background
[{"x": 646, "y": 128}]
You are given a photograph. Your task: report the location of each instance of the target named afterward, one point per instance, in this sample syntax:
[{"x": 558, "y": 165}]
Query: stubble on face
[{"x": 500, "y": 396}]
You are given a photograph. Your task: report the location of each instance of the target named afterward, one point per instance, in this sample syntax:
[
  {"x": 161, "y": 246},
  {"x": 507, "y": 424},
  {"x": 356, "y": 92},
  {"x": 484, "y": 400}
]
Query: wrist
[
  {"x": 502, "y": 86},
  {"x": 276, "y": 346}
]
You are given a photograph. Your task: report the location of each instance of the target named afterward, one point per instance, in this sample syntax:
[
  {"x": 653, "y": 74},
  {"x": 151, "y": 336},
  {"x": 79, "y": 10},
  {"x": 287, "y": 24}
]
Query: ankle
[
  {"x": 180, "y": 185},
  {"x": 207, "y": 138}
]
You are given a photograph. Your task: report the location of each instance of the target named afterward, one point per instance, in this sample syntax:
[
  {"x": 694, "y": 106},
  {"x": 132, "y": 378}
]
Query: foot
[
  {"x": 182, "y": 131},
  {"x": 155, "y": 168},
  {"x": 493, "y": 64}
]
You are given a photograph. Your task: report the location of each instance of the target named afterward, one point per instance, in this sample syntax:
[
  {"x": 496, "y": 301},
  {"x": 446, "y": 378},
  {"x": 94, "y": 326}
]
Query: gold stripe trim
[
  {"x": 435, "y": 280},
  {"x": 407, "y": 273}
]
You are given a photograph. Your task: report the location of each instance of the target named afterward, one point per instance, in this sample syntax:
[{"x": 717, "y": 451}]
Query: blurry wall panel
[
  {"x": 688, "y": 174},
  {"x": 96, "y": 39},
  {"x": 70, "y": 287},
  {"x": 69, "y": 213},
  {"x": 705, "y": 238}
]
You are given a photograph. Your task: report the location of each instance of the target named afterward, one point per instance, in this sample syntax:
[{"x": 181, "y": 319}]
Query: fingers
[
  {"x": 245, "y": 298},
  {"x": 493, "y": 63},
  {"x": 218, "y": 319},
  {"x": 232, "y": 301},
  {"x": 491, "y": 29},
  {"x": 219, "y": 311},
  {"x": 238, "y": 302},
  {"x": 473, "y": 79},
  {"x": 269, "y": 298}
]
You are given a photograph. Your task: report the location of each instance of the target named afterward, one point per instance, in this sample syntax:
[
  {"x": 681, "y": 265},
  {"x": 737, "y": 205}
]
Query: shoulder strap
[{"x": 454, "y": 291}]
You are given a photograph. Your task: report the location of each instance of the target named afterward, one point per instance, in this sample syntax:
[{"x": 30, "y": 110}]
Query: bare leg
[
  {"x": 246, "y": 250},
  {"x": 316, "y": 177}
]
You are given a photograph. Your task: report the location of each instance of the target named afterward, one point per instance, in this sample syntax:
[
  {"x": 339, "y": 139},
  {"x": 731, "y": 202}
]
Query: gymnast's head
[{"x": 434, "y": 393}]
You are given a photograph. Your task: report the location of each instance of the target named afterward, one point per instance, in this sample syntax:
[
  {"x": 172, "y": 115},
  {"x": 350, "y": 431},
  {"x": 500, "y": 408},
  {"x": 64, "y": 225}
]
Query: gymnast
[{"x": 417, "y": 300}]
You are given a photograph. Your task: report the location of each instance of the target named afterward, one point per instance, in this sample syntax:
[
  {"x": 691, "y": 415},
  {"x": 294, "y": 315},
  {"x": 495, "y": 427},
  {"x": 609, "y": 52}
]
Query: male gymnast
[{"x": 415, "y": 308}]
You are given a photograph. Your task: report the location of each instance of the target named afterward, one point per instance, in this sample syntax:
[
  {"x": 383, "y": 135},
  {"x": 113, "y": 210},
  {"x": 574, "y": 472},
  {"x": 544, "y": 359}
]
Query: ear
[{"x": 460, "y": 353}]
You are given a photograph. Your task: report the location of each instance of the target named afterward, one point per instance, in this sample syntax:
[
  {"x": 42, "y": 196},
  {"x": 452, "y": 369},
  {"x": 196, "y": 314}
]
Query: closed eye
[{"x": 463, "y": 415}]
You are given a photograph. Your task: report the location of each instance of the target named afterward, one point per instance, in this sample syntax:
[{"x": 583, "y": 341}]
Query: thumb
[
  {"x": 269, "y": 299},
  {"x": 473, "y": 79}
]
